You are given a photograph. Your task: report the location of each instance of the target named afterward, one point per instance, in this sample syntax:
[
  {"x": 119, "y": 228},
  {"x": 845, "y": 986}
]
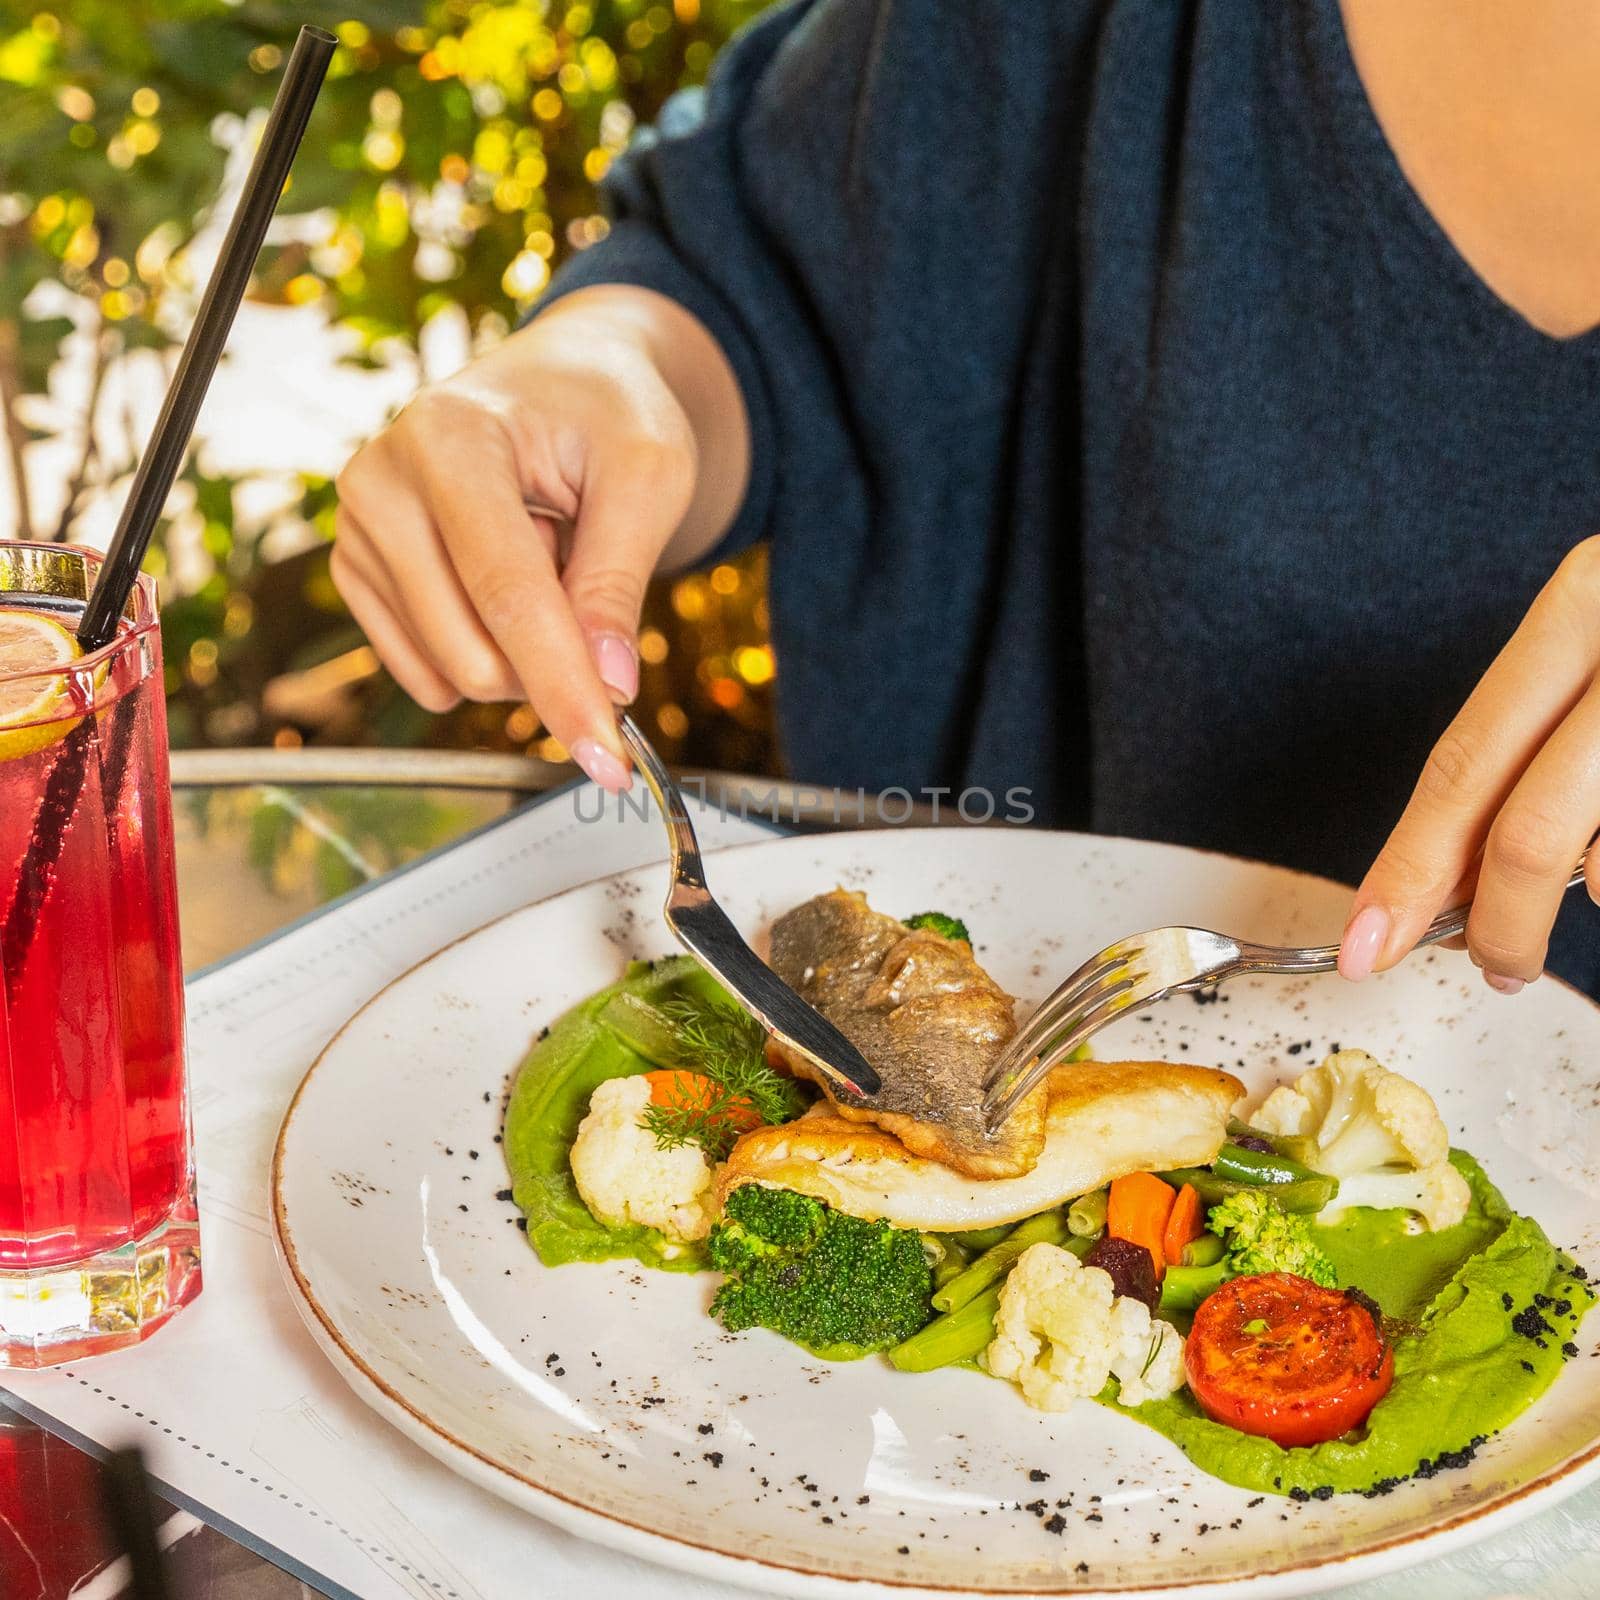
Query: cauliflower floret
[
  {"x": 1148, "y": 1358},
  {"x": 1377, "y": 1132},
  {"x": 1438, "y": 1194},
  {"x": 1060, "y": 1333},
  {"x": 625, "y": 1177}
]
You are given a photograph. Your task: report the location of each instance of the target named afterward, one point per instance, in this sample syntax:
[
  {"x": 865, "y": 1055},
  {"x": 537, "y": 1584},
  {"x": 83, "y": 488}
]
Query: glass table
[{"x": 263, "y": 839}]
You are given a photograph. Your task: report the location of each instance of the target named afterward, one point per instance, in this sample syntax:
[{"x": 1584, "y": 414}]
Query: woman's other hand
[
  {"x": 1508, "y": 799},
  {"x": 615, "y": 409}
]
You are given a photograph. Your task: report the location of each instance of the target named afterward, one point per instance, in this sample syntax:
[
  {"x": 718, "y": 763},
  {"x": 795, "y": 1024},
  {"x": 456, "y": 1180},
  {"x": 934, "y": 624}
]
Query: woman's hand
[
  {"x": 616, "y": 410},
  {"x": 1507, "y": 802}
]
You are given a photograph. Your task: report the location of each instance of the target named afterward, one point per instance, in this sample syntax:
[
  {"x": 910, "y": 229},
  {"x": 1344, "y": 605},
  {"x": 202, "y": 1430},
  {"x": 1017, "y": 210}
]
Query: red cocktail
[{"x": 99, "y": 1241}]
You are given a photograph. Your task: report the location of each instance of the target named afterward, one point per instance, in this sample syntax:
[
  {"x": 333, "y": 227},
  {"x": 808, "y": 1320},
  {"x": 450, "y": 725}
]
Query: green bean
[
  {"x": 1243, "y": 1165},
  {"x": 952, "y": 1263},
  {"x": 1309, "y": 1195},
  {"x": 959, "y": 1335},
  {"x": 1183, "y": 1288},
  {"x": 1086, "y": 1216},
  {"x": 1203, "y": 1251},
  {"x": 977, "y": 1240},
  {"x": 1049, "y": 1227},
  {"x": 1297, "y": 1146}
]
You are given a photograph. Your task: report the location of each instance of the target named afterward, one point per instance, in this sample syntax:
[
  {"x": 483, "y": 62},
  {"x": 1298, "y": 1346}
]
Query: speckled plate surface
[{"x": 603, "y": 1398}]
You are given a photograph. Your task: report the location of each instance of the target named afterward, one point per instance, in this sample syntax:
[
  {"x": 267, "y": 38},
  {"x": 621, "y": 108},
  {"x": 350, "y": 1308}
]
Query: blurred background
[{"x": 450, "y": 167}]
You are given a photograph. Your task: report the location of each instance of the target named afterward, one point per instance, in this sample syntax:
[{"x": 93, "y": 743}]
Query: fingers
[
  {"x": 630, "y": 510},
  {"x": 412, "y": 669},
  {"x": 1523, "y": 698},
  {"x": 467, "y": 593},
  {"x": 509, "y": 575},
  {"x": 1532, "y": 846},
  {"x": 411, "y": 575}
]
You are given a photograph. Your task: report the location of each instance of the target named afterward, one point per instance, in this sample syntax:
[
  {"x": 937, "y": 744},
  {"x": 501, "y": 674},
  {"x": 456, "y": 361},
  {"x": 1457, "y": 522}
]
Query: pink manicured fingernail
[
  {"x": 1503, "y": 984},
  {"x": 1363, "y": 943},
  {"x": 616, "y": 663},
  {"x": 601, "y": 765}
]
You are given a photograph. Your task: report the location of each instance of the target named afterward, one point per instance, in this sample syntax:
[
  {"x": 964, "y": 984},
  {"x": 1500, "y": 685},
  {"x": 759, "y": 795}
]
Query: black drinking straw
[
  {"x": 163, "y": 455},
  {"x": 158, "y": 467}
]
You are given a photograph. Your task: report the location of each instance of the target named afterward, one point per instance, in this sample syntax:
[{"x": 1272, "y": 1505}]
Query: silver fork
[
  {"x": 1142, "y": 971},
  {"x": 703, "y": 929}
]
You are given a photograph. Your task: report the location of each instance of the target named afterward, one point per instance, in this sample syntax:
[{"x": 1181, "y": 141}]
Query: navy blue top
[{"x": 1124, "y": 426}]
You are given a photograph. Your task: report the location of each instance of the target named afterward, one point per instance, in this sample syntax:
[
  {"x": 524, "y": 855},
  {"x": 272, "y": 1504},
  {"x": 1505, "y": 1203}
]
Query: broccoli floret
[
  {"x": 938, "y": 922},
  {"x": 1262, "y": 1237},
  {"x": 820, "y": 1277}
]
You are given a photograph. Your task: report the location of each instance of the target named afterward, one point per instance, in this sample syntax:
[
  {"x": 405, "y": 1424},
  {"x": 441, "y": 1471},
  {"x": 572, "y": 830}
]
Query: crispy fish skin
[
  {"x": 1104, "y": 1119},
  {"x": 925, "y": 1014}
]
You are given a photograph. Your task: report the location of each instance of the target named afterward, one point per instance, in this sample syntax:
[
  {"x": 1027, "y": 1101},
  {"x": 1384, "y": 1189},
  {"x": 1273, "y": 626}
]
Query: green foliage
[
  {"x": 1262, "y": 1237},
  {"x": 837, "y": 1284},
  {"x": 450, "y": 165},
  {"x": 722, "y": 1042}
]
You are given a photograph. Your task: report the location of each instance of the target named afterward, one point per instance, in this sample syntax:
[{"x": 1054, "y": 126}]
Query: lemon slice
[{"x": 31, "y": 708}]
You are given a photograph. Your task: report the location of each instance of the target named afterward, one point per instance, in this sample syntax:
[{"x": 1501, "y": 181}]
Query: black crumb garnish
[
  {"x": 1569, "y": 1349},
  {"x": 1056, "y": 1524},
  {"x": 1297, "y": 1493},
  {"x": 544, "y": 1033},
  {"x": 1094, "y": 1516},
  {"x": 1506, "y": 1300},
  {"x": 1037, "y": 1507},
  {"x": 1251, "y": 1504},
  {"x": 1036, "y": 1476},
  {"x": 502, "y": 1194},
  {"x": 706, "y": 1427},
  {"x": 1082, "y": 1566},
  {"x": 461, "y": 1208},
  {"x": 863, "y": 1499},
  {"x": 486, "y": 1097},
  {"x": 1323, "y": 1491},
  {"x": 472, "y": 1155},
  {"x": 1295, "y": 1049},
  {"x": 522, "y": 1222},
  {"x": 1529, "y": 1323},
  {"x": 551, "y": 1359},
  {"x": 714, "y": 1457},
  {"x": 904, "y": 1549}
]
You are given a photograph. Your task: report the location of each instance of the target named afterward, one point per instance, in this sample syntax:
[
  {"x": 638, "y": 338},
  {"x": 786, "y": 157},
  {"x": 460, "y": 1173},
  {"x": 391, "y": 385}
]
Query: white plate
[{"x": 603, "y": 1397}]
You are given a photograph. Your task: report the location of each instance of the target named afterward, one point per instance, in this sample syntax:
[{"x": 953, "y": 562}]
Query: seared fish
[
  {"x": 1104, "y": 1119},
  {"x": 925, "y": 1014}
]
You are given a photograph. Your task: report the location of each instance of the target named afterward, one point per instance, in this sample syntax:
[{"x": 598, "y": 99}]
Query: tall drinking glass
[{"x": 99, "y": 1235}]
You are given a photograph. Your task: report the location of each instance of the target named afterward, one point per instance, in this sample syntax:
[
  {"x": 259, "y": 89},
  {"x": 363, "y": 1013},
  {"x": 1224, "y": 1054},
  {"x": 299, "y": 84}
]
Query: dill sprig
[
  {"x": 728, "y": 1047},
  {"x": 1157, "y": 1334}
]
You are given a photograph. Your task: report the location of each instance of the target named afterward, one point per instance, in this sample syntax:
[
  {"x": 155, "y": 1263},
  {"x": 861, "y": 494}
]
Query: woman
[{"x": 1169, "y": 407}]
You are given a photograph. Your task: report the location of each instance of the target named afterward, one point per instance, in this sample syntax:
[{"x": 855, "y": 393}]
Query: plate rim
[{"x": 687, "y": 1555}]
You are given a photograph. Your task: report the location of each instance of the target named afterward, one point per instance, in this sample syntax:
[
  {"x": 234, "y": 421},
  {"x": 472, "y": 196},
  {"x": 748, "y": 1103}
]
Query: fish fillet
[
  {"x": 1103, "y": 1119},
  {"x": 925, "y": 1014}
]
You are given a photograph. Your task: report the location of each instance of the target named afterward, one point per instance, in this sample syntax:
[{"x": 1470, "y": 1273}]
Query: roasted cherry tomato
[{"x": 1280, "y": 1356}]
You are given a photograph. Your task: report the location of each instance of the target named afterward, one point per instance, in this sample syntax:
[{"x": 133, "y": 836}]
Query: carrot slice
[
  {"x": 678, "y": 1087},
  {"x": 1137, "y": 1209},
  {"x": 1184, "y": 1224}
]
